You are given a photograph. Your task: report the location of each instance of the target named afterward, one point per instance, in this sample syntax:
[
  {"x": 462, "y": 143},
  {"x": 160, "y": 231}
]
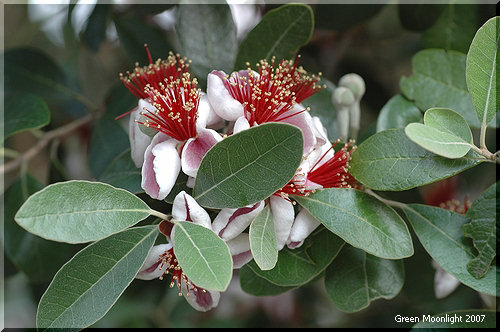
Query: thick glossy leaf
[
  {"x": 23, "y": 112},
  {"x": 438, "y": 80},
  {"x": 39, "y": 259},
  {"x": 483, "y": 230},
  {"x": 472, "y": 319},
  {"x": 210, "y": 43},
  {"x": 281, "y": 32},
  {"x": 263, "y": 240},
  {"x": 321, "y": 106},
  {"x": 122, "y": 173},
  {"x": 454, "y": 29},
  {"x": 361, "y": 220},
  {"x": 134, "y": 33},
  {"x": 390, "y": 161},
  {"x": 299, "y": 266},
  {"x": 252, "y": 284},
  {"x": 342, "y": 16},
  {"x": 80, "y": 211},
  {"x": 248, "y": 167},
  {"x": 203, "y": 256},
  {"x": 397, "y": 113},
  {"x": 448, "y": 121},
  {"x": 108, "y": 141},
  {"x": 437, "y": 141},
  {"x": 440, "y": 232},
  {"x": 355, "y": 279},
  {"x": 95, "y": 31},
  {"x": 419, "y": 15},
  {"x": 481, "y": 70},
  {"x": 87, "y": 286}
]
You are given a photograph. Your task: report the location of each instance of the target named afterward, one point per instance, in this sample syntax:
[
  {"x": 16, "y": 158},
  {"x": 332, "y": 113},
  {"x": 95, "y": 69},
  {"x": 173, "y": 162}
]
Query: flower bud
[
  {"x": 355, "y": 83},
  {"x": 342, "y": 99}
]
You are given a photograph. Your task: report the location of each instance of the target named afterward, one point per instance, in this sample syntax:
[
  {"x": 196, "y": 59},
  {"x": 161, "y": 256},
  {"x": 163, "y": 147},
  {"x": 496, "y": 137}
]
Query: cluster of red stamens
[
  {"x": 457, "y": 206},
  {"x": 266, "y": 97}
]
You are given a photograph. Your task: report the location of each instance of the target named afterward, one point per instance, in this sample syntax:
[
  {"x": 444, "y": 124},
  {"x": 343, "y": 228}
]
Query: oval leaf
[
  {"x": 87, "y": 286},
  {"x": 355, "y": 279},
  {"x": 252, "y": 284},
  {"x": 24, "y": 112},
  {"x": 280, "y": 33},
  {"x": 203, "y": 256},
  {"x": 481, "y": 70},
  {"x": 397, "y": 113},
  {"x": 361, "y": 220},
  {"x": 439, "y": 81},
  {"x": 299, "y": 266},
  {"x": 263, "y": 240},
  {"x": 448, "y": 121},
  {"x": 389, "y": 160},
  {"x": 482, "y": 229},
  {"x": 439, "y": 142},
  {"x": 211, "y": 43},
  {"x": 248, "y": 167},
  {"x": 472, "y": 319},
  {"x": 80, "y": 211},
  {"x": 440, "y": 232}
]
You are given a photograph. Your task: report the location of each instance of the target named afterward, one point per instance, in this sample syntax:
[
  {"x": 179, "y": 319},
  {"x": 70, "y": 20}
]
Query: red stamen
[{"x": 457, "y": 206}]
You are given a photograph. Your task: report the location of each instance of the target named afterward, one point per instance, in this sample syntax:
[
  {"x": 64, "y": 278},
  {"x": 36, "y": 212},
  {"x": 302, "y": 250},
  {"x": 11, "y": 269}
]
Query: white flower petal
[
  {"x": 240, "y": 250},
  {"x": 138, "y": 140},
  {"x": 161, "y": 166},
  {"x": 302, "y": 227},
  {"x": 229, "y": 223},
  {"x": 240, "y": 125},
  {"x": 195, "y": 149},
  {"x": 304, "y": 121},
  {"x": 444, "y": 282},
  {"x": 206, "y": 114},
  {"x": 186, "y": 208},
  {"x": 283, "y": 215},
  {"x": 221, "y": 100},
  {"x": 154, "y": 267}
]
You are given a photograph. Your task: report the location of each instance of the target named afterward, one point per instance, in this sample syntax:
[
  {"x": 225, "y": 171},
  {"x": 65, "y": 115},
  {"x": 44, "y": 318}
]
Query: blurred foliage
[{"x": 74, "y": 69}]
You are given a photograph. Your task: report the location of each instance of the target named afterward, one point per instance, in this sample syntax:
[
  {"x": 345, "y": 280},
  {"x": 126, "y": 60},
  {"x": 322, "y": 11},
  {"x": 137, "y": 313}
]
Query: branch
[{"x": 44, "y": 140}]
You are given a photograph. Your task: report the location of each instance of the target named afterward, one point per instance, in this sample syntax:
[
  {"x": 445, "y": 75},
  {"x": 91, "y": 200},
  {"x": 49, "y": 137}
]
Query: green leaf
[
  {"x": 361, "y": 220},
  {"x": 122, "y": 173},
  {"x": 281, "y": 32},
  {"x": 459, "y": 319},
  {"x": 418, "y": 16},
  {"x": 87, "y": 286},
  {"x": 439, "y": 81},
  {"x": 80, "y": 211},
  {"x": 355, "y": 279},
  {"x": 203, "y": 256},
  {"x": 481, "y": 70},
  {"x": 439, "y": 142},
  {"x": 210, "y": 43},
  {"x": 341, "y": 17},
  {"x": 108, "y": 141},
  {"x": 119, "y": 101},
  {"x": 23, "y": 112},
  {"x": 263, "y": 240},
  {"x": 248, "y": 167},
  {"x": 39, "y": 259},
  {"x": 440, "y": 232},
  {"x": 301, "y": 265},
  {"x": 448, "y": 121},
  {"x": 397, "y": 113},
  {"x": 390, "y": 161},
  {"x": 321, "y": 106},
  {"x": 252, "y": 284},
  {"x": 483, "y": 230},
  {"x": 95, "y": 31},
  {"x": 134, "y": 33},
  {"x": 454, "y": 29}
]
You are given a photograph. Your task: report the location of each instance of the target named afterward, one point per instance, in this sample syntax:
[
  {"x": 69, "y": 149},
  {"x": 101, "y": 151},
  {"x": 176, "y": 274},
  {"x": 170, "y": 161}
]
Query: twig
[
  {"x": 44, "y": 140},
  {"x": 387, "y": 201}
]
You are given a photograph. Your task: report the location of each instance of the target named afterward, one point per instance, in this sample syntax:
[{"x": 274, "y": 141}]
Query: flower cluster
[{"x": 174, "y": 126}]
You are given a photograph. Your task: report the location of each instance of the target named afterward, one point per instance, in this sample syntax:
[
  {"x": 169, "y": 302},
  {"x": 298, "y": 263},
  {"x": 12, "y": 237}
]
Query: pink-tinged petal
[
  {"x": 240, "y": 250},
  {"x": 319, "y": 131},
  {"x": 221, "y": 100},
  {"x": 229, "y": 223},
  {"x": 240, "y": 125},
  {"x": 444, "y": 282},
  {"x": 195, "y": 149},
  {"x": 154, "y": 266},
  {"x": 186, "y": 208},
  {"x": 304, "y": 121},
  {"x": 206, "y": 114},
  {"x": 138, "y": 140},
  {"x": 283, "y": 215},
  {"x": 302, "y": 227},
  {"x": 161, "y": 166},
  {"x": 201, "y": 299}
]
